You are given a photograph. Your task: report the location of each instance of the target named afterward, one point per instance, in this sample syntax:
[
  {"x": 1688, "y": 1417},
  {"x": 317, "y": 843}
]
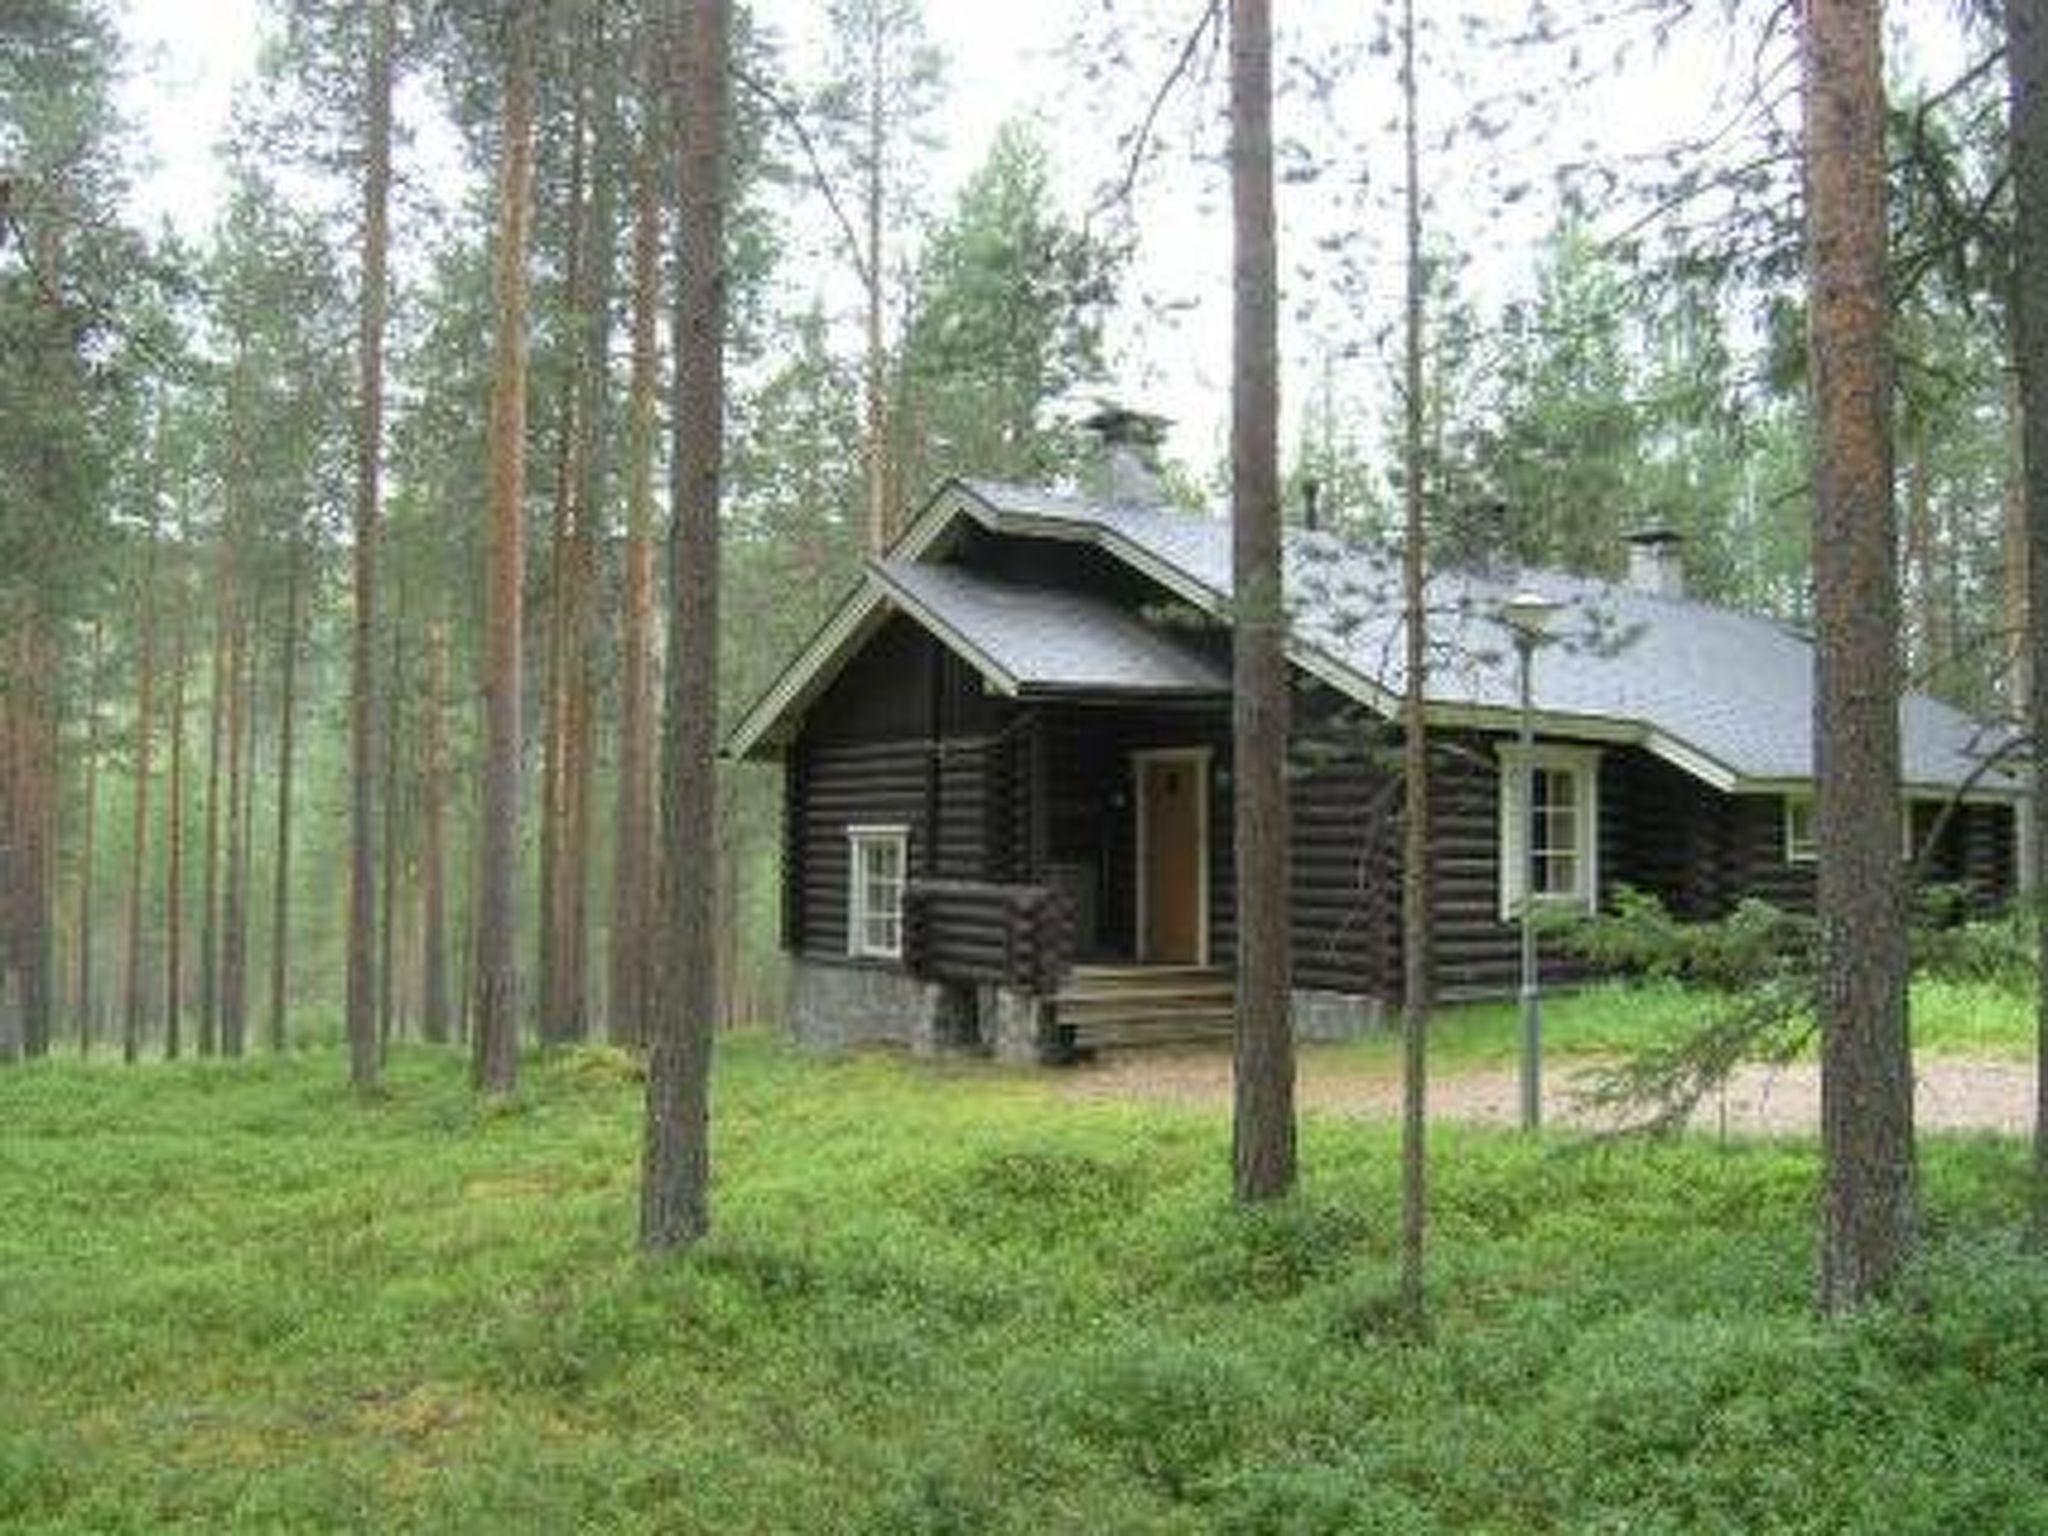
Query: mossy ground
[{"x": 938, "y": 1298}]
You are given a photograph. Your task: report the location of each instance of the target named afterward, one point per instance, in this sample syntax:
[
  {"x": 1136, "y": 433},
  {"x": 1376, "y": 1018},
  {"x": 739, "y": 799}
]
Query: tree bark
[
  {"x": 174, "y": 853},
  {"x": 138, "y": 834},
  {"x": 1415, "y": 855},
  {"x": 281, "y": 886},
  {"x": 674, "y": 1203},
  {"x": 2026, "y": 54},
  {"x": 28, "y": 760},
  {"x": 1866, "y": 1073},
  {"x": 497, "y": 976},
  {"x": 1264, "y": 1109},
  {"x": 435, "y": 1017},
  {"x": 387, "y": 894},
  {"x": 877, "y": 404},
  {"x": 234, "y": 921},
  {"x": 209, "y": 880},
  {"x": 365, "y": 1067},
  {"x": 88, "y": 846},
  {"x": 633, "y": 861}
]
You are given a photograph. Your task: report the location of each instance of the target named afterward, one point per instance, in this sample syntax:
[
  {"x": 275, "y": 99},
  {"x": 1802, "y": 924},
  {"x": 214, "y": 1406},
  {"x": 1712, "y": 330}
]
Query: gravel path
[{"x": 1954, "y": 1093}]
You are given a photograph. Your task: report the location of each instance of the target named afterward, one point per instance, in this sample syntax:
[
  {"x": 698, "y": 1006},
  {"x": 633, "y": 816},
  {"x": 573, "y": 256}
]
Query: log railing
[{"x": 975, "y": 931}]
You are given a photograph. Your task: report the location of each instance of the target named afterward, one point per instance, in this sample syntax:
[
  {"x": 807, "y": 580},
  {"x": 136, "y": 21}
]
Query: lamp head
[{"x": 1529, "y": 614}]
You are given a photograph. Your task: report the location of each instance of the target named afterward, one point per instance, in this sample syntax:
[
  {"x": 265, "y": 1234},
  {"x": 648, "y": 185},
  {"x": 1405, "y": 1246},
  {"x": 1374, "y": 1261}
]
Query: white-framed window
[
  {"x": 878, "y": 858},
  {"x": 1555, "y": 852},
  {"x": 1800, "y": 846}
]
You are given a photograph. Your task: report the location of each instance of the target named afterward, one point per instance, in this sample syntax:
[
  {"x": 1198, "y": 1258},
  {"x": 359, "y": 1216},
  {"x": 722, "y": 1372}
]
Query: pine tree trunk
[
  {"x": 209, "y": 880},
  {"x": 364, "y": 1066},
  {"x": 138, "y": 835},
  {"x": 633, "y": 862},
  {"x": 2026, "y": 53},
  {"x": 877, "y": 403},
  {"x": 1264, "y": 1153},
  {"x": 281, "y": 886},
  {"x": 564, "y": 873},
  {"x": 387, "y": 927},
  {"x": 1866, "y": 1071},
  {"x": 674, "y": 1191},
  {"x": 28, "y": 756},
  {"x": 234, "y": 921},
  {"x": 174, "y": 855},
  {"x": 497, "y": 977},
  {"x": 434, "y": 1008},
  {"x": 1415, "y": 854},
  {"x": 87, "y": 848}
]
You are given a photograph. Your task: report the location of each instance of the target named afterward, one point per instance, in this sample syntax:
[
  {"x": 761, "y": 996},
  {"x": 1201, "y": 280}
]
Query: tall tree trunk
[
  {"x": 674, "y": 1193},
  {"x": 234, "y": 921},
  {"x": 435, "y": 1017},
  {"x": 1415, "y": 858},
  {"x": 497, "y": 976},
  {"x": 387, "y": 979},
  {"x": 174, "y": 852},
  {"x": 565, "y": 872},
  {"x": 88, "y": 846},
  {"x": 209, "y": 880},
  {"x": 364, "y": 1066},
  {"x": 2026, "y": 53},
  {"x": 877, "y": 185},
  {"x": 633, "y": 862},
  {"x": 28, "y": 761},
  {"x": 1931, "y": 623},
  {"x": 138, "y": 834},
  {"x": 1866, "y": 1070},
  {"x": 2015, "y": 534},
  {"x": 1264, "y": 1121},
  {"x": 281, "y": 885}
]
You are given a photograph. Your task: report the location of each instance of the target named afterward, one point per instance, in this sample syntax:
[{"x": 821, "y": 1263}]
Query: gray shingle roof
[
  {"x": 1728, "y": 694},
  {"x": 1039, "y": 639}
]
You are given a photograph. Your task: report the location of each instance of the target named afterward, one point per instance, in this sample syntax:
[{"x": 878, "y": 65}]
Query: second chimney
[
  {"x": 1130, "y": 441},
  {"x": 1656, "y": 561}
]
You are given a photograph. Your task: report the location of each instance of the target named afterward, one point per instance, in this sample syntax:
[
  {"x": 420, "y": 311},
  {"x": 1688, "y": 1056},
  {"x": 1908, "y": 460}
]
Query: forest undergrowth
[{"x": 938, "y": 1298}]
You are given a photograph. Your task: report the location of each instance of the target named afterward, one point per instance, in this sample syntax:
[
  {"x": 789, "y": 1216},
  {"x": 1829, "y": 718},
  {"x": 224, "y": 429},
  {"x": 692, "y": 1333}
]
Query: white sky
[{"x": 1169, "y": 346}]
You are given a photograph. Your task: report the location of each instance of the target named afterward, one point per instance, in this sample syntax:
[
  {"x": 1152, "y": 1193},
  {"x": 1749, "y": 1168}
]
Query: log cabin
[{"x": 1007, "y": 775}]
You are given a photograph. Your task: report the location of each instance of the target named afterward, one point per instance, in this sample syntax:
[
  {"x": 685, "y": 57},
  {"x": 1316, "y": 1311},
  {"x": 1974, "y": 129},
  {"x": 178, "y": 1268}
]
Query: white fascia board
[
  {"x": 947, "y": 503},
  {"x": 815, "y": 665},
  {"x": 1911, "y": 789}
]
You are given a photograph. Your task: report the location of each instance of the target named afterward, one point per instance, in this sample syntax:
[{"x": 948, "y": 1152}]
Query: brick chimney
[
  {"x": 1656, "y": 561},
  {"x": 1130, "y": 453}
]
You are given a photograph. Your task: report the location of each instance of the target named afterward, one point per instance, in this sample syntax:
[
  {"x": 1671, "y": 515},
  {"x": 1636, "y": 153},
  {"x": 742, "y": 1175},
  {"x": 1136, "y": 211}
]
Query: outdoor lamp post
[{"x": 1528, "y": 615}]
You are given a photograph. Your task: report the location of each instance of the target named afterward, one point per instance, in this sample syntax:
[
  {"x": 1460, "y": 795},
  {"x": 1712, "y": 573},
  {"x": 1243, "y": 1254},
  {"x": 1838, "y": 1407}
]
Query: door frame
[{"x": 1198, "y": 758}]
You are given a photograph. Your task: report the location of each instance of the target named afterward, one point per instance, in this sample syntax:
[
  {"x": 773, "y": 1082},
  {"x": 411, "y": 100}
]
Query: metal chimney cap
[
  {"x": 1655, "y": 536},
  {"x": 1120, "y": 424}
]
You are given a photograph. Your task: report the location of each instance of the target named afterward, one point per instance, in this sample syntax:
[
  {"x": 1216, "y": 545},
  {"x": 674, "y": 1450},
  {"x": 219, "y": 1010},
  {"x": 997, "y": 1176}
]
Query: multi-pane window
[
  {"x": 1548, "y": 842},
  {"x": 1554, "y": 832},
  {"x": 875, "y": 911}
]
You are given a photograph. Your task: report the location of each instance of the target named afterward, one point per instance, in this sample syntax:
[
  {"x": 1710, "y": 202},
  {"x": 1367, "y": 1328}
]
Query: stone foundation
[
  {"x": 1013, "y": 1025},
  {"x": 836, "y": 1007},
  {"x": 1324, "y": 1016}
]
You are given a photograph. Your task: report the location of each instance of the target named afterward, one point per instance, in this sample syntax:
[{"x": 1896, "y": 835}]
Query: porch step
[{"x": 1118, "y": 1006}]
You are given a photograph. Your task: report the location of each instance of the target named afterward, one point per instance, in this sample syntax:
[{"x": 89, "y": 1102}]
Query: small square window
[{"x": 877, "y": 863}]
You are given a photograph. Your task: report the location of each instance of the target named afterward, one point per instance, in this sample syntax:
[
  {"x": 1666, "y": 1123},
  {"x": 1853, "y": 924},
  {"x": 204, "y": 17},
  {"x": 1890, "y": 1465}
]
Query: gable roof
[
  {"x": 1035, "y": 640},
  {"x": 1726, "y": 696}
]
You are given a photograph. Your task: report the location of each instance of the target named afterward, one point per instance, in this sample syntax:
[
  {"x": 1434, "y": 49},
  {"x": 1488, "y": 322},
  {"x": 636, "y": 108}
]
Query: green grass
[
  {"x": 1961, "y": 1018},
  {"x": 939, "y": 1298}
]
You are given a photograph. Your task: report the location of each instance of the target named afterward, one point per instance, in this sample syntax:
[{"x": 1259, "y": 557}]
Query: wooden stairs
[{"x": 1115, "y": 1007}]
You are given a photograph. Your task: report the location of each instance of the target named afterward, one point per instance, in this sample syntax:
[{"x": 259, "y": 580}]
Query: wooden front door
[{"x": 1173, "y": 826}]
